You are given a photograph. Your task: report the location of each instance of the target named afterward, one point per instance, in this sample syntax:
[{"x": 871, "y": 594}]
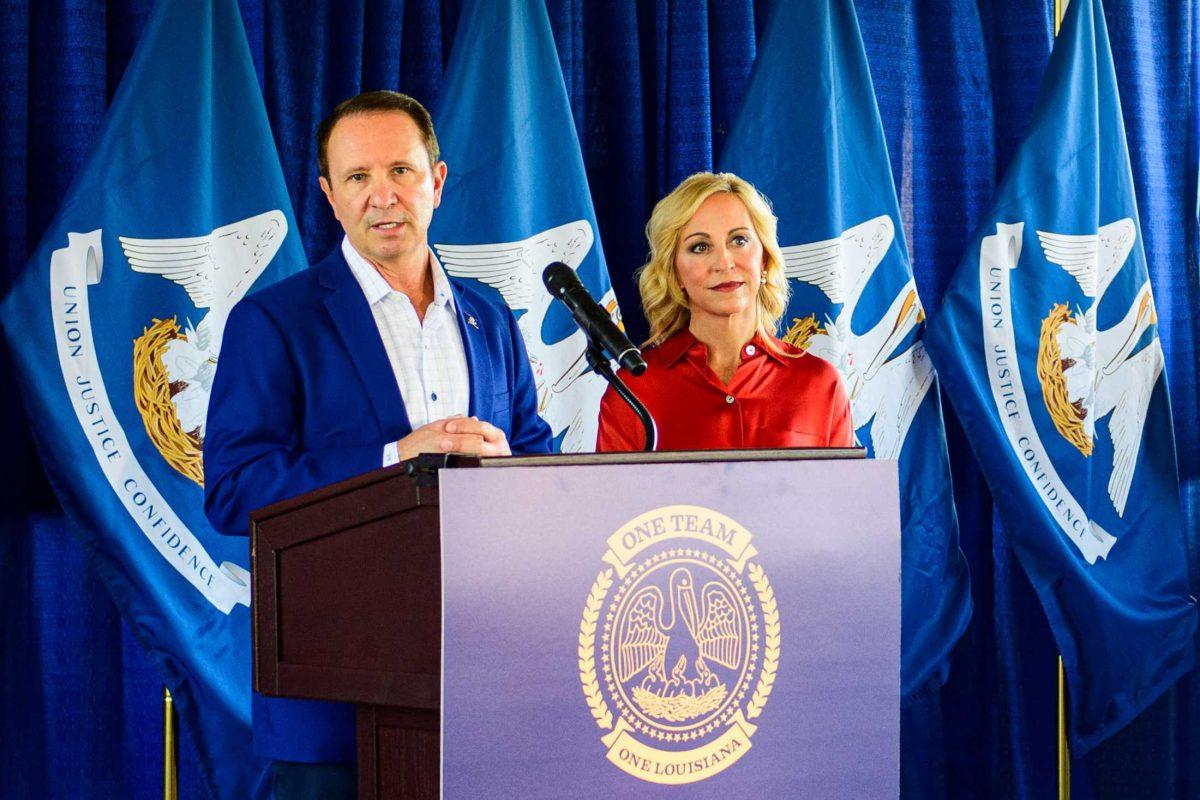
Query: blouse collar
[{"x": 682, "y": 342}]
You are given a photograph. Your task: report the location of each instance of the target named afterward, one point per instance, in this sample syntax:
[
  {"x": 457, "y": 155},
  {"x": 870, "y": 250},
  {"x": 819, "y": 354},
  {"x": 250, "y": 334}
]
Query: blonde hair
[{"x": 663, "y": 299}]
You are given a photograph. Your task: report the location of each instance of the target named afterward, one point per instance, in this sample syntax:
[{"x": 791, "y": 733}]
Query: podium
[
  {"x": 769, "y": 580},
  {"x": 347, "y": 607}
]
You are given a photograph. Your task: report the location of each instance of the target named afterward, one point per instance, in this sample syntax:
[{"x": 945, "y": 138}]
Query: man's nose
[{"x": 383, "y": 196}]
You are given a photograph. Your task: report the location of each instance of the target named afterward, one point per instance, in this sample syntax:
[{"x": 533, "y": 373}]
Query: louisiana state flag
[
  {"x": 1048, "y": 344},
  {"x": 809, "y": 137},
  {"x": 116, "y": 327},
  {"x": 517, "y": 199}
]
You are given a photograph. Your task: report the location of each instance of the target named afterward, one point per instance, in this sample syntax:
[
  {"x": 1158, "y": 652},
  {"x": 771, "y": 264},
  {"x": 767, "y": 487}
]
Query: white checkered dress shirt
[{"x": 427, "y": 356}]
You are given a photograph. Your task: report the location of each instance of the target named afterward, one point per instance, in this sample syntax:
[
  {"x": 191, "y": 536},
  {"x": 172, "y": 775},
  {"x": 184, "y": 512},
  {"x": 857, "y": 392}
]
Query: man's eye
[
  {"x": 401, "y": 170},
  {"x": 357, "y": 177}
]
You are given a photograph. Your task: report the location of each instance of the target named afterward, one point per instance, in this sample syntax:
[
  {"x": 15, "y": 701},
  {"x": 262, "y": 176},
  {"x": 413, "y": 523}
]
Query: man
[{"x": 368, "y": 358}]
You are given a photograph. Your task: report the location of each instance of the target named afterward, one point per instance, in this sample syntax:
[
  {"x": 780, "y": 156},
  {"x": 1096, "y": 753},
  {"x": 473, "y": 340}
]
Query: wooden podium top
[{"x": 674, "y": 457}]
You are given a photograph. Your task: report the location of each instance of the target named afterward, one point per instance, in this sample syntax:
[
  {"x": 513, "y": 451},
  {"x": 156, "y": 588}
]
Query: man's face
[{"x": 381, "y": 185}]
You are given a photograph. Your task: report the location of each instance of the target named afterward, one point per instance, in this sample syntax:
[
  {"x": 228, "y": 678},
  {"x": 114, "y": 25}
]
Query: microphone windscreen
[{"x": 558, "y": 278}]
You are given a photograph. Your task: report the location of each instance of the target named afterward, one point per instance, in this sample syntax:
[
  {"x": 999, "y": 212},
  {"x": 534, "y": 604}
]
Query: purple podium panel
[{"x": 701, "y": 630}]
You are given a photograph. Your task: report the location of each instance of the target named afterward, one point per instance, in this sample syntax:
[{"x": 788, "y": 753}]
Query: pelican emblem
[
  {"x": 173, "y": 365},
  {"x": 1086, "y": 374},
  {"x": 568, "y": 392},
  {"x": 672, "y": 653},
  {"x": 885, "y": 387}
]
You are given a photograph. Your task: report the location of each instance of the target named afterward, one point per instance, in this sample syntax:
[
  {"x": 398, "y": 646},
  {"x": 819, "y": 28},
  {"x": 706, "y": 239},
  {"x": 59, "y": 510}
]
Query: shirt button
[
  {"x": 729, "y": 398},
  {"x": 433, "y": 396},
  {"x": 750, "y": 350}
]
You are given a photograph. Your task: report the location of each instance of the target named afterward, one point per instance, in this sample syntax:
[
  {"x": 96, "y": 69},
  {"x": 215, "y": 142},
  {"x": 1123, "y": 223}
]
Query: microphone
[{"x": 562, "y": 282}]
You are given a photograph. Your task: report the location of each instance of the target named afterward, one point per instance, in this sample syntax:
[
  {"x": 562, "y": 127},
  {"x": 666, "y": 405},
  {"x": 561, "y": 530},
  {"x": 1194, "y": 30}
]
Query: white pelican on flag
[{"x": 515, "y": 270}]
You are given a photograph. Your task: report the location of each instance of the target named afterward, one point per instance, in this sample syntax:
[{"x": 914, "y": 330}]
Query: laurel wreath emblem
[
  {"x": 587, "y": 650},
  {"x": 771, "y": 640},
  {"x": 152, "y": 392}
]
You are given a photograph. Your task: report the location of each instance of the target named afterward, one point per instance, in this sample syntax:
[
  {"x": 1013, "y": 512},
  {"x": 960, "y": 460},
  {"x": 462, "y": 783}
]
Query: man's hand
[{"x": 454, "y": 435}]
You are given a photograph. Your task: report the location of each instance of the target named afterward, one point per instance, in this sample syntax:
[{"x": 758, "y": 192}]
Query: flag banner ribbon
[
  {"x": 998, "y": 257},
  {"x": 72, "y": 270}
]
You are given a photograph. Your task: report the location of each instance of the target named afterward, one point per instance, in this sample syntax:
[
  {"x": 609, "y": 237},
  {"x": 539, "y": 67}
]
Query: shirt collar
[
  {"x": 772, "y": 348},
  {"x": 676, "y": 345},
  {"x": 443, "y": 295},
  {"x": 376, "y": 287},
  {"x": 682, "y": 342}
]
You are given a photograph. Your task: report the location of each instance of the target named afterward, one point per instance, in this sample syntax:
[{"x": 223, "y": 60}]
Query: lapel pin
[{"x": 471, "y": 321}]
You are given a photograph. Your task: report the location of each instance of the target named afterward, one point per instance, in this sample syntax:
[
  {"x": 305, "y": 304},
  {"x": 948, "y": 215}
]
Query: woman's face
[{"x": 719, "y": 260}]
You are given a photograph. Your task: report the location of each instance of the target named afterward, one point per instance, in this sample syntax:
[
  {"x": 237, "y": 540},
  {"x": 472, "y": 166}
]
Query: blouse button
[
  {"x": 750, "y": 350},
  {"x": 729, "y": 398}
]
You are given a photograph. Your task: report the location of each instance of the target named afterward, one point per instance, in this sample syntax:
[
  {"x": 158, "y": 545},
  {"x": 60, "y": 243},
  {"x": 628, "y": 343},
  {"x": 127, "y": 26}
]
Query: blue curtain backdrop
[{"x": 653, "y": 87}]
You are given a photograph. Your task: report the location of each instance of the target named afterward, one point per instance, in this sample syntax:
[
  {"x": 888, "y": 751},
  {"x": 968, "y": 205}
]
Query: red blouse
[{"x": 773, "y": 401}]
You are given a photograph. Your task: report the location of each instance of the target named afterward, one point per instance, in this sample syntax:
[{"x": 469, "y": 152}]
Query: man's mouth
[{"x": 386, "y": 226}]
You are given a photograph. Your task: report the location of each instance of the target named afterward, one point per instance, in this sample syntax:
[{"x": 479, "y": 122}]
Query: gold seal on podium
[{"x": 681, "y": 635}]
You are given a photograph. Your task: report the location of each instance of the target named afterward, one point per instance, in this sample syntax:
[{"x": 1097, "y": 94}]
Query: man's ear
[
  {"x": 439, "y": 182},
  {"x": 327, "y": 189}
]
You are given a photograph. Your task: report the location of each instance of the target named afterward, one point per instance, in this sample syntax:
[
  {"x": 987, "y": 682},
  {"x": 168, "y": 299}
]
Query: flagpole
[
  {"x": 170, "y": 748},
  {"x": 1064, "y": 749}
]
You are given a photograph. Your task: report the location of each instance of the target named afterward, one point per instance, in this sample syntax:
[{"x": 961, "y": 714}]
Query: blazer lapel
[
  {"x": 476, "y": 351},
  {"x": 355, "y": 324}
]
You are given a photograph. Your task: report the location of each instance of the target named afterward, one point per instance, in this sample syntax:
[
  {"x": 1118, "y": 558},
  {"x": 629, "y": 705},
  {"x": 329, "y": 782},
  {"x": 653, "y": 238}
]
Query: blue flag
[
  {"x": 1047, "y": 338},
  {"x": 116, "y": 326},
  {"x": 810, "y": 138},
  {"x": 517, "y": 198}
]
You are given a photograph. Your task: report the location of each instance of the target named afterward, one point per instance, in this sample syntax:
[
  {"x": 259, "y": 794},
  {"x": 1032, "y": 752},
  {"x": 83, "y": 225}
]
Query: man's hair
[{"x": 375, "y": 103}]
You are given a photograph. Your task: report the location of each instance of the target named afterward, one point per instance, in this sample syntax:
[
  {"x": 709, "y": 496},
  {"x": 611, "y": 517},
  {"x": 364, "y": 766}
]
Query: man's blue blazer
[{"x": 304, "y": 396}]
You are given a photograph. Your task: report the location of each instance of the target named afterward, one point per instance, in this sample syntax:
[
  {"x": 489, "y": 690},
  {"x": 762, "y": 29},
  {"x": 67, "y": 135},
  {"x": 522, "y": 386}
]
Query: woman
[{"x": 713, "y": 292}]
